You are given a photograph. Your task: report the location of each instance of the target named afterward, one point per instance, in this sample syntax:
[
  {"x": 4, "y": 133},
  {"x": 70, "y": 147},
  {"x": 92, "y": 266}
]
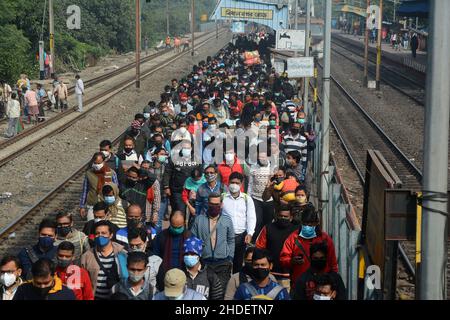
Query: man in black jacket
[
  {"x": 272, "y": 238},
  {"x": 305, "y": 288},
  {"x": 176, "y": 172},
  {"x": 45, "y": 285}
]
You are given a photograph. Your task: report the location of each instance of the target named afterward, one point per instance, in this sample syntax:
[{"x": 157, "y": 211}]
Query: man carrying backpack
[{"x": 261, "y": 287}]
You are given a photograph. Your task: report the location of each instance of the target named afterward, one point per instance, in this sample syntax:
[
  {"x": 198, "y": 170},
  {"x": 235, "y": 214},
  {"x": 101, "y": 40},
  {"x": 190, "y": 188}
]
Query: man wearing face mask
[
  {"x": 116, "y": 212},
  {"x": 106, "y": 262},
  {"x": 295, "y": 253},
  {"x": 240, "y": 208},
  {"x": 301, "y": 204},
  {"x": 136, "y": 286},
  {"x": 66, "y": 232},
  {"x": 230, "y": 165},
  {"x": 10, "y": 280},
  {"x": 212, "y": 185},
  {"x": 43, "y": 249},
  {"x": 309, "y": 283},
  {"x": 219, "y": 111},
  {"x": 216, "y": 231},
  {"x": 111, "y": 159},
  {"x": 168, "y": 245},
  {"x": 139, "y": 241},
  {"x": 135, "y": 132},
  {"x": 272, "y": 238},
  {"x": 181, "y": 134},
  {"x": 96, "y": 177},
  {"x": 175, "y": 288},
  {"x": 75, "y": 278},
  {"x": 199, "y": 277},
  {"x": 135, "y": 220},
  {"x": 261, "y": 287},
  {"x": 45, "y": 284}
]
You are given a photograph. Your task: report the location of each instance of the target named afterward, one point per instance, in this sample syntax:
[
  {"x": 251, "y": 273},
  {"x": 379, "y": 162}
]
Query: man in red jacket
[
  {"x": 295, "y": 252},
  {"x": 74, "y": 277},
  {"x": 227, "y": 167}
]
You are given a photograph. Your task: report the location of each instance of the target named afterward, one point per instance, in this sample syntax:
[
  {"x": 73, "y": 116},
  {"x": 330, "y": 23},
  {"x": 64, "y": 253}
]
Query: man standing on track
[{"x": 79, "y": 91}]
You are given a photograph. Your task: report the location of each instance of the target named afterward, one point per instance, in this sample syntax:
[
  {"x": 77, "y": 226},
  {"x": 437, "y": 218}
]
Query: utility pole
[
  {"x": 217, "y": 30},
  {"x": 296, "y": 15},
  {"x": 138, "y": 43},
  {"x": 366, "y": 48},
  {"x": 325, "y": 145},
  {"x": 395, "y": 10},
  {"x": 307, "y": 54},
  {"x": 380, "y": 27},
  {"x": 193, "y": 25},
  {"x": 167, "y": 18},
  {"x": 52, "y": 37},
  {"x": 435, "y": 165}
]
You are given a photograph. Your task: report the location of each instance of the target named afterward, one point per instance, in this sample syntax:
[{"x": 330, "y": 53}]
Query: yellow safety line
[{"x": 419, "y": 230}]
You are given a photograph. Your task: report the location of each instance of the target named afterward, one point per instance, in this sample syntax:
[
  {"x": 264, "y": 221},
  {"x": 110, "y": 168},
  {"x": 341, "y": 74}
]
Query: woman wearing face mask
[
  {"x": 308, "y": 283},
  {"x": 295, "y": 252},
  {"x": 189, "y": 194},
  {"x": 10, "y": 280},
  {"x": 96, "y": 177}
]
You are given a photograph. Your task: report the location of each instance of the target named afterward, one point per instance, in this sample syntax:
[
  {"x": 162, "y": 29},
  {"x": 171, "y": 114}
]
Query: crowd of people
[
  {"x": 23, "y": 104},
  {"x": 206, "y": 198}
]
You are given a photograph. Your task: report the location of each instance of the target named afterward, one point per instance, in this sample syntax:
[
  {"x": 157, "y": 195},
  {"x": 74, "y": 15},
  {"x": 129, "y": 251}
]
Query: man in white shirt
[
  {"x": 79, "y": 91},
  {"x": 241, "y": 209}
]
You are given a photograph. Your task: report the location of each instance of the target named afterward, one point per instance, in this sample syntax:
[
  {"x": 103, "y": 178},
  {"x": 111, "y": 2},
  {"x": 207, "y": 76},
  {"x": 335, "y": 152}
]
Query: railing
[{"x": 341, "y": 222}]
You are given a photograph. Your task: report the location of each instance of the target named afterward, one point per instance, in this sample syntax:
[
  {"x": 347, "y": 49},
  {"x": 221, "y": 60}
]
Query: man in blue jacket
[{"x": 217, "y": 232}]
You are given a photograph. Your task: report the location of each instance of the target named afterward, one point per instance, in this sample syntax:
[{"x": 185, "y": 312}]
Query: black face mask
[
  {"x": 132, "y": 223},
  {"x": 295, "y": 131},
  {"x": 319, "y": 264},
  {"x": 63, "y": 231},
  {"x": 127, "y": 150},
  {"x": 42, "y": 292},
  {"x": 260, "y": 274},
  {"x": 282, "y": 223},
  {"x": 131, "y": 183}
]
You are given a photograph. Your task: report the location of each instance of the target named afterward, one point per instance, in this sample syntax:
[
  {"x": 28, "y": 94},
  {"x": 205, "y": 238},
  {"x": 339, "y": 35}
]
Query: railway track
[
  {"x": 122, "y": 85},
  {"x": 413, "y": 89},
  {"x": 357, "y": 132},
  {"x": 23, "y": 230}
]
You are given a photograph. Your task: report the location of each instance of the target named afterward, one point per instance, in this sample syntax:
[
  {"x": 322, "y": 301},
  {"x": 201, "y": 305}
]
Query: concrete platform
[{"x": 403, "y": 57}]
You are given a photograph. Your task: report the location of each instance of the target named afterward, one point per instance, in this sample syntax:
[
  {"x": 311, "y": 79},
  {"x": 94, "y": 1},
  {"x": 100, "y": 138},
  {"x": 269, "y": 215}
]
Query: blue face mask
[
  {"x": 109, "y": 200},
  {"x": 46, "y": 242},
  {"x": 191, "y": 261},
  {"x": 101, "y": 241},
  {"x": 308, "y": 232}
]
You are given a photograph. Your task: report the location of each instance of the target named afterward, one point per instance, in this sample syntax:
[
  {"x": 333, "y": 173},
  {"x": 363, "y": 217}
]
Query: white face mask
[
  {"x": 107, "y": 154},
  {"x": 186, "y": 152},
  {"x": 98, "y": 220},
  {"x": 234, "y": 188},
  {"x": 320, "y": 297},
  {"x": 8, "y": 279},
  {"x": 212, "y": 127},
  {"x": 229, "y": 158},
  {"x": 146, "y": 115},
  {"x": 97, "y": 167}
]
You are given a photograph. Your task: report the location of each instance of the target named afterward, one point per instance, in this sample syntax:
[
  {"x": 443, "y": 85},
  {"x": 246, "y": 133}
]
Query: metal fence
[{"x": 340, "y": 221}]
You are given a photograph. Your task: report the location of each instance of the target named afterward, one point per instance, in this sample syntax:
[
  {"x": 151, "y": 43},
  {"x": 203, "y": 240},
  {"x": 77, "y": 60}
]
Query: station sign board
[
  {"x": 241, "y": 13},
  {"x": 288, "y": 39},
  {"x": 300, "y": 67}
]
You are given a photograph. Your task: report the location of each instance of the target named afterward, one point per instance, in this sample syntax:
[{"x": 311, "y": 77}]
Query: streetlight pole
[
  {"x": 193, "y": 25},
  {"x": 380, "y": 27},
  {"x": 307, "y": 54},
  {"x": 138, "y": 43},
  {"x": 167, "y": 18},
  {"x": 325, "y": 123},
  {"x": 435, "y": 165},
  {"x": 366, "y": 48},
  {"x": 52, "y": 37}
]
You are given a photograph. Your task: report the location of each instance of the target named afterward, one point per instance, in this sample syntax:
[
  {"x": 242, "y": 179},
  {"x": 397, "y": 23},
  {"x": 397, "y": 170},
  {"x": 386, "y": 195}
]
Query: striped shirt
[
  {"x": 298, "y": 143},
  {"x": 102, "y": 292}
]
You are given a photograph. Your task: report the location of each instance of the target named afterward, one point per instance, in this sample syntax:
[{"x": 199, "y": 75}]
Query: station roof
[{"x": 414, "y": 8}]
